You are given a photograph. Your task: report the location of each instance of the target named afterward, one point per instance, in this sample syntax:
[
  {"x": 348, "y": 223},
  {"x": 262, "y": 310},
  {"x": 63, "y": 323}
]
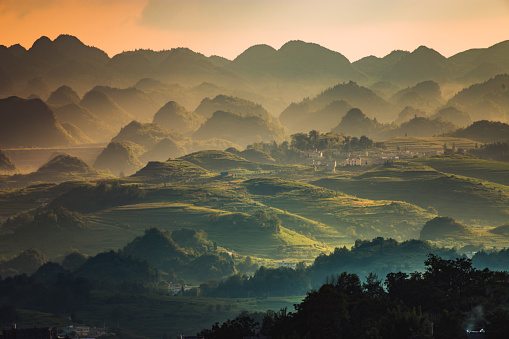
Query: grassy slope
[
  {"x": 347, "y": 214},
  {"x": 472, "y": 201},
  {"x": 494, "y": 171},
  {"x": 427, "y": 144}
]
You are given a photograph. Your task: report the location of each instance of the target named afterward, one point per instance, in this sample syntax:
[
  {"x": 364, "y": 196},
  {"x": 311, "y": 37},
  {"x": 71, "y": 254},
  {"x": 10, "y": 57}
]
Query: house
[
  {"x": 78, "y": 331},
  {"x": 286, "y": 263}
]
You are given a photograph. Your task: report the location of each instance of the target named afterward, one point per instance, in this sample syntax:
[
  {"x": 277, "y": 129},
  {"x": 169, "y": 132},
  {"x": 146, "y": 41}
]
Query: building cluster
[{"x": 52, "y": 332}]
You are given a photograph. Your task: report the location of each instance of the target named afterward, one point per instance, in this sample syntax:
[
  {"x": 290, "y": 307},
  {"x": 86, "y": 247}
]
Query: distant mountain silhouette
[
  {"x": 238, "y": 128},
  {"x": 77, "y": 133},
  {"x": 106, "y": 109},
  {"x": 145, "y": 135},
  {"x": 484, "y": 131},
  {"x": 378, "y": 67},
  {"x": 423, "y": 127},
  {"x": 30, "y": 123},
  {"x": 165, "y": 149},
  {"x": 355, "y": 123},
  {"x": 477, "y": 65},
  {"x": 175, "y": 116},
  {"x": 425, "y": 96},
  {"x": 295, "y": 60},
  {"x": 384, "y": 89},
  {"x": 26, "y": 262},
  {"x": 221, "y": 102},
  {"x": 6, "y": 164},
  {"x": 119, "y": 157},
  {"x": 132, "y": 100},
  {"x": 420, "y": 65},
  {"x": 62, "y": 96},
  {"x": 485, "y": 101},
  {"x": 87, "y": 122},
  {"x": 454, "y": 115},
  {"x": 354, "y": 95},
  {"x": 300, "y": 118},
  {"x": 408, "y": 113}
]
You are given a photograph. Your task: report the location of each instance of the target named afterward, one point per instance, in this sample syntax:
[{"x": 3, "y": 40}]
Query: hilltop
[
  {"x": 119, "y": 158},
  {"x": 175, "y": 116},
  {"x": 441, "y": 228}
]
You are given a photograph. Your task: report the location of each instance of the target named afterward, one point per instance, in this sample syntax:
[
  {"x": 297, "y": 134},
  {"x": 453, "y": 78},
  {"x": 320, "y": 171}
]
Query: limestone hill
[
  {"x": 87, "y": 122},
  {"x": 106, "y": 109},
  {"x": 174, "y": 116},
  {"x": 6, "y": 164},
  {"x": 119, "y": 158},
  {"x": 226, "y": 103},
  {"x": 165, "y": 149},
  {"x": 441, "y": 228},
  {"x": 30, "y": 123},
  {"x": 239, "y": 129},
  {"x": 355, "y": 95},
  {"x": 146, "y": 135},
  {"x": 299, "y": 117},
  {"x": 62, "y": 96},
  {"x": 454, "y": 115},
  {"x": 484, "y": 131}
]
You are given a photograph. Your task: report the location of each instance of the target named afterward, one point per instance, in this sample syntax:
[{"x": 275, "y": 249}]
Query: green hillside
[{"x": 471, "y": 201}]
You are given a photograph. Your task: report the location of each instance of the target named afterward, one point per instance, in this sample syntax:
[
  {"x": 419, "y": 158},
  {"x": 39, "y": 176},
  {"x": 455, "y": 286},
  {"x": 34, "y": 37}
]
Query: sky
[{"x": 354, "y": 28}]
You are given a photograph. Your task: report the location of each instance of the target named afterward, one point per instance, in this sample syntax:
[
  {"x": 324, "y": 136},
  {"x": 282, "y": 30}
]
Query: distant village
[{"x": 361, "y": 158}]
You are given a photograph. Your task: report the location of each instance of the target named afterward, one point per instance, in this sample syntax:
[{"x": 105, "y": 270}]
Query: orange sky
[{"x": 355, "y": 28}]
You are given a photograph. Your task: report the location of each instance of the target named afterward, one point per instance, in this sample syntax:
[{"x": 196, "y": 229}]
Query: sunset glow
[{"x": 228, "y": 27}]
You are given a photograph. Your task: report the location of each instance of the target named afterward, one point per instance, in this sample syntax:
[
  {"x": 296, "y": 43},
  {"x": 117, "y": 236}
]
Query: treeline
[
  {"x": 91, "y": 198},
  {"x": 378, "y": 256},
  {"x": 447, "y": 299},
  {"x": 325, "y": 141},
  {"x": 498, "y": 151},
  {"x": 290, "y": 152}
]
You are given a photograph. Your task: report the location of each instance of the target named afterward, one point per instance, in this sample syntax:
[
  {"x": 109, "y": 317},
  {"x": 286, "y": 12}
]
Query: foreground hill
[
  {"x": 239, "y": 129},
  {"x": 30, "y": 123}
]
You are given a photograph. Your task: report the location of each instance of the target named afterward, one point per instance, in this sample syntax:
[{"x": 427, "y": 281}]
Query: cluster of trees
[
  {"x": 267, "y": 221},
  {"x": 447, "y": 299},
  {"x": 265, "y": 282},
  {"x": 498, "y": 151},
  {"x": 323, "y": 141},
  {"x": 50, "y": 289},
  {"x": 91, "y": 198}
]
